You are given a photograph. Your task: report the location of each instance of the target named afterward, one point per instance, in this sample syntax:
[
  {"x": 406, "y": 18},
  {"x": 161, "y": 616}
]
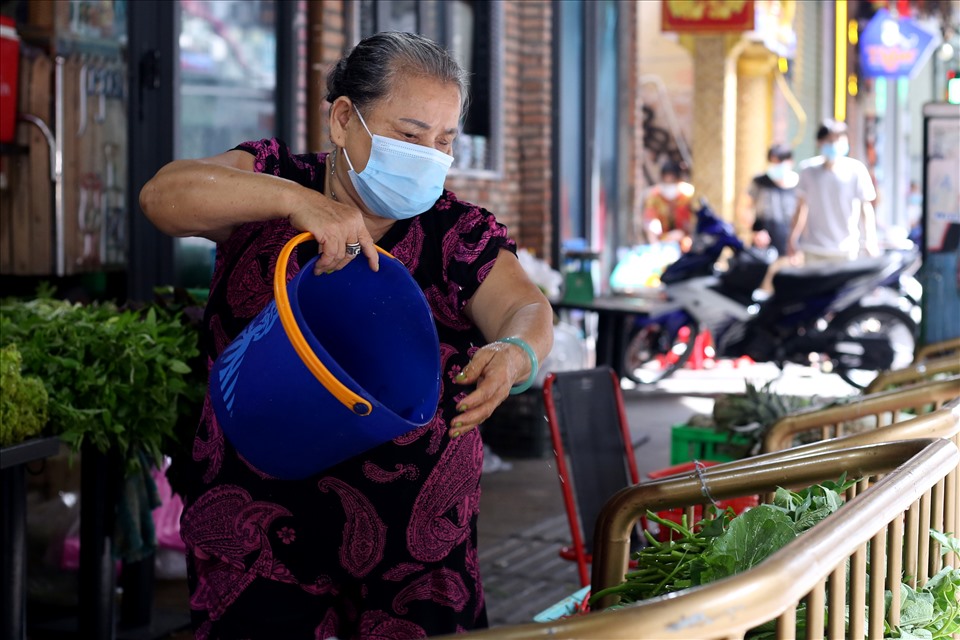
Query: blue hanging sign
[{"x": 894, "y": 47}]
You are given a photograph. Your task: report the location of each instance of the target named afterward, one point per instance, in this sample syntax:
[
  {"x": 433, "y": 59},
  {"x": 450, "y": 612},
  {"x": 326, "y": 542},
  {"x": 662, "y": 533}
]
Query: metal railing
[
  {"x": 859, "y": 413},
  {"x": 941, "y": 423},
  {"x": 938, "y": 349},
  {"x": 893, "y": 515},
  {"x": 920, "y": 371}
]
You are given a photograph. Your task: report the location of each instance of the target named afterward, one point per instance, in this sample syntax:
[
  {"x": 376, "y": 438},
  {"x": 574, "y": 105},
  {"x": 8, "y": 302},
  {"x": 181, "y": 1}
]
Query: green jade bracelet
[{"x": 534, "y": 364}]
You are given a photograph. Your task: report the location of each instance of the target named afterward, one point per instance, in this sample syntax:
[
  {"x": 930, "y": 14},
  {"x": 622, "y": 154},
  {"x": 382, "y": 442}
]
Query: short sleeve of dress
[
  {"x": 273, "y": 156},
  {"x": 477, "y": 239}
]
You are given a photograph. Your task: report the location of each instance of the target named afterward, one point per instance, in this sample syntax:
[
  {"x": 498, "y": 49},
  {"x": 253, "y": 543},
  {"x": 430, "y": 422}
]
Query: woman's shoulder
[
  {"x": 454, "y": 222},
  {"x": 452, "y": 212},
  {"x": 274, "y": 156}
]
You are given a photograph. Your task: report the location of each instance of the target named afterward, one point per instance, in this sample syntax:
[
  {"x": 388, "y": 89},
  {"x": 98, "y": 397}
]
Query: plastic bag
[
  {"x": 542, "y": 275},
  {"x": 166, "y": 517},
  {"x": 642, "y": 266},
  {"x": 569, "y": 352}
]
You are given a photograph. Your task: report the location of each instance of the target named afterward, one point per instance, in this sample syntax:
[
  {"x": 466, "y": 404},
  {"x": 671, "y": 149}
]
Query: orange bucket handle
[{"x": 348, "y": 398}]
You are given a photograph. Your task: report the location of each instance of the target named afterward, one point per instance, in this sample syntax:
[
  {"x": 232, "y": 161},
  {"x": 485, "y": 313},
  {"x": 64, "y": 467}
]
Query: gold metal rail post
[
  {"x": 873, "y": 410},
  {"x": 938, "y": 349},
  {"x": 918, "y": 372},
  {"x": 942, "y": 423}
]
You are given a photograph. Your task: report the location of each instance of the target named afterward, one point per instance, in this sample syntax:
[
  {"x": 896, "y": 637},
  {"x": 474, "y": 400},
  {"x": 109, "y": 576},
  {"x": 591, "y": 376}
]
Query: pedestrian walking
[{"x": 835, "y": 195}]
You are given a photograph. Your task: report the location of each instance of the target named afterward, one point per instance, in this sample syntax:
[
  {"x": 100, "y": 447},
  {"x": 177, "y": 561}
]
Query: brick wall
[
  {"x": 327, "y": 42},
  {"x": 521, "y": 197}
]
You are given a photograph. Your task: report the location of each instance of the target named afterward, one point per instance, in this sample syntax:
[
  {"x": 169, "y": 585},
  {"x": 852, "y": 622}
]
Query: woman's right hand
[{"x": 334, "y": 225}]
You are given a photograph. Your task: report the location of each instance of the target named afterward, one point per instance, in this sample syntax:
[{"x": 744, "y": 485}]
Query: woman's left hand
[{"x": 494, "y": 369}]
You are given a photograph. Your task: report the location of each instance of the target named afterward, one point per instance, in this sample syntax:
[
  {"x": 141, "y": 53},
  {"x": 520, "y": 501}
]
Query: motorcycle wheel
[
  {"x": 653, "y": 354},
  {"x": 891, "y": 322}
]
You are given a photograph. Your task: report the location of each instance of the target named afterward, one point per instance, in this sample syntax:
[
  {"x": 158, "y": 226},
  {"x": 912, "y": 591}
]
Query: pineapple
[{"x": 755, "y": 411}]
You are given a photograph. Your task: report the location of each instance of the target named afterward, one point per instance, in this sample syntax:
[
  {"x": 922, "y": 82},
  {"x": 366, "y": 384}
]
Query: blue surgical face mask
[
  {"x": 777, "y": 170},
  {"x": 834, "y": 150},
  {"x": 401, "y": 179}
]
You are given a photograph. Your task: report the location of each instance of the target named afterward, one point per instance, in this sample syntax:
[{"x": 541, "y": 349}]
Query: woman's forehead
[{"x": 426, "y": 100}]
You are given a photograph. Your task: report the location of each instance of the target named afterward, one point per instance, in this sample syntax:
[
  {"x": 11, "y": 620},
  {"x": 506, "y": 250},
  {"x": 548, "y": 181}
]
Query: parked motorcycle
[{"x": 829, "y": 314}]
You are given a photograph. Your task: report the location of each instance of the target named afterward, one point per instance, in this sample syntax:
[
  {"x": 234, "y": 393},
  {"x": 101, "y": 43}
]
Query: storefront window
[
  {"x": 227, "y": 94},
  {"x": 228, "y": 55},
  {"x": 570, "y": 120},
  {"x": 587, "y": 123},
  {"x": 469, "y": 29}
]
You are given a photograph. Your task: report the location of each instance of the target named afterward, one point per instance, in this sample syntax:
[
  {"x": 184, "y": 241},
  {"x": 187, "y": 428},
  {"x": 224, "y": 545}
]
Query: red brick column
[{"x": 326, "y": 43}]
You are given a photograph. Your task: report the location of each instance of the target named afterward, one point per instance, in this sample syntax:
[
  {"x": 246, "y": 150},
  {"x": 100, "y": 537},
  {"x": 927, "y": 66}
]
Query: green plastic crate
[{"x": 697, "y": 443}]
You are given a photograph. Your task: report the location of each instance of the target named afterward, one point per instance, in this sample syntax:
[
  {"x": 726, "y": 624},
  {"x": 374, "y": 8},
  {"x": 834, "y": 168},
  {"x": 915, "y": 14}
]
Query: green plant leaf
[
  {"x": 751, "y": 537},
  {"x": 117, "y": 378},
  {"x": 179, "y": 366}
]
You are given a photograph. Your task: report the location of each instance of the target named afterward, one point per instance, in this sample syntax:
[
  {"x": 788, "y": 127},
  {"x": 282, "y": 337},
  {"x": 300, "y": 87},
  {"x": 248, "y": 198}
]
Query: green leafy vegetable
[
  {"x": 23, "y": 400},
  {"x": 115, "y": 377},
  {"x": 750, "y": 538},
  {"x": 931, "y": 612},
  {"x": 724, "y": 545},
  {"x": 813, "y": 504}
]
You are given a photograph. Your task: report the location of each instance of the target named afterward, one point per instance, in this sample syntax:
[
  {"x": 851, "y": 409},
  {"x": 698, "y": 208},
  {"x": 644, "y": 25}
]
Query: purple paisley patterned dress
[{"x": 384, "y": 545}]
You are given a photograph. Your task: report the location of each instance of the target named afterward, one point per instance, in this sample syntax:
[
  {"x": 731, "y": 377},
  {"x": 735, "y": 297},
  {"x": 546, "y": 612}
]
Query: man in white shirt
[{"x": 833, "y": 195}]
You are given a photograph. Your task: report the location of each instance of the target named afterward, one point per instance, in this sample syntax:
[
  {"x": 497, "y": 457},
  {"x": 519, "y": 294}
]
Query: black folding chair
[{"x": 588, "y": 426}]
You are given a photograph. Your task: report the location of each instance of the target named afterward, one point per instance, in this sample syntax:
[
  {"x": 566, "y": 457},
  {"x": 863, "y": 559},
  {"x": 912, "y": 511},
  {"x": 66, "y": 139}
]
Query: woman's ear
[{"x": 340, "y": 113}]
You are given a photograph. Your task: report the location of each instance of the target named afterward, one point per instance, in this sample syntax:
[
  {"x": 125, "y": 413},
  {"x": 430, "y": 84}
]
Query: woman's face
[{"x": 418, "y": 110}]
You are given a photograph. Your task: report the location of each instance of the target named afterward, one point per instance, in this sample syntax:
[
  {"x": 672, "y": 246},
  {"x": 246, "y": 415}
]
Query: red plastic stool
[{"x": 739, "y": 505}]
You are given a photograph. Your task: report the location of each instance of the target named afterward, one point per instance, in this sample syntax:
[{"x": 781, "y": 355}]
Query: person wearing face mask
[
  {"x": 768, "y": 204},
  {"x": 835, "y": 196},
  {"x": 391, "y": 551},
  {"x": 668, "y": 208}
]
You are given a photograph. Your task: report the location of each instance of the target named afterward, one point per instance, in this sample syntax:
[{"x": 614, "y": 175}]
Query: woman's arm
[
  {"x": 507, "y": 304},
  {"x": 213, "y": 196}
]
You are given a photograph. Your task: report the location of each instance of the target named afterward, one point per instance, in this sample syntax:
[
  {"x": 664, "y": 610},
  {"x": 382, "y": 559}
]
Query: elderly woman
[{"x": 383, "y": 545}]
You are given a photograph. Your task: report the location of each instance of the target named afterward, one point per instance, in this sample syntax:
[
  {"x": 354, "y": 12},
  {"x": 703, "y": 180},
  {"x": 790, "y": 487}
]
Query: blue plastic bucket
[{"x": 336, "y": 365}]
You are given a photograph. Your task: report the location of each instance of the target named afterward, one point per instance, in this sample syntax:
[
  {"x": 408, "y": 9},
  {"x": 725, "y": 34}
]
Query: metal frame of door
[{"x": 154, "y": 54}]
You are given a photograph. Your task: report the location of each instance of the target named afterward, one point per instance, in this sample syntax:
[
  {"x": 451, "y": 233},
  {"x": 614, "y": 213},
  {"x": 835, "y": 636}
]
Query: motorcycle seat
[{"x": 792, "y": 283}]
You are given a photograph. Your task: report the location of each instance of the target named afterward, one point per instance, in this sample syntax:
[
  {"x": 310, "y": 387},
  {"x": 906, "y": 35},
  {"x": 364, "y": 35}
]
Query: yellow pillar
[
  {"x": 754, "y": 117},
  {"x": 711, "y": 132}
]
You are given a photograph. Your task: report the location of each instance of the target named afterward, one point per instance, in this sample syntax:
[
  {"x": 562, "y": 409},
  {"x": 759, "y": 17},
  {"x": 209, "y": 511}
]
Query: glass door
[
  {"x": 227, "y": 94},
  {"x": 206, "y": 75},
  {"x": 228, "y": 74}
]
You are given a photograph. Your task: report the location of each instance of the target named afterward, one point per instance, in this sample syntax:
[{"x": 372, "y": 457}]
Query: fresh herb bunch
[
  {"x": 932, "y": 611},
  {"x": 929, "y": 613},
  {"x": 664, "y": 567},
  {"x": 725, "y": 544},
  {"x": 115, "y": 377},
  {"x": 189, "y": 309},
  {"x": 23, "y": 400}
]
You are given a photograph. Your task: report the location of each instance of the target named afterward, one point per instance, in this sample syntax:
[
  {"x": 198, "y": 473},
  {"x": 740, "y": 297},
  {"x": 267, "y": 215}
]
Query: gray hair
[{"x": 368, "y": 72}]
